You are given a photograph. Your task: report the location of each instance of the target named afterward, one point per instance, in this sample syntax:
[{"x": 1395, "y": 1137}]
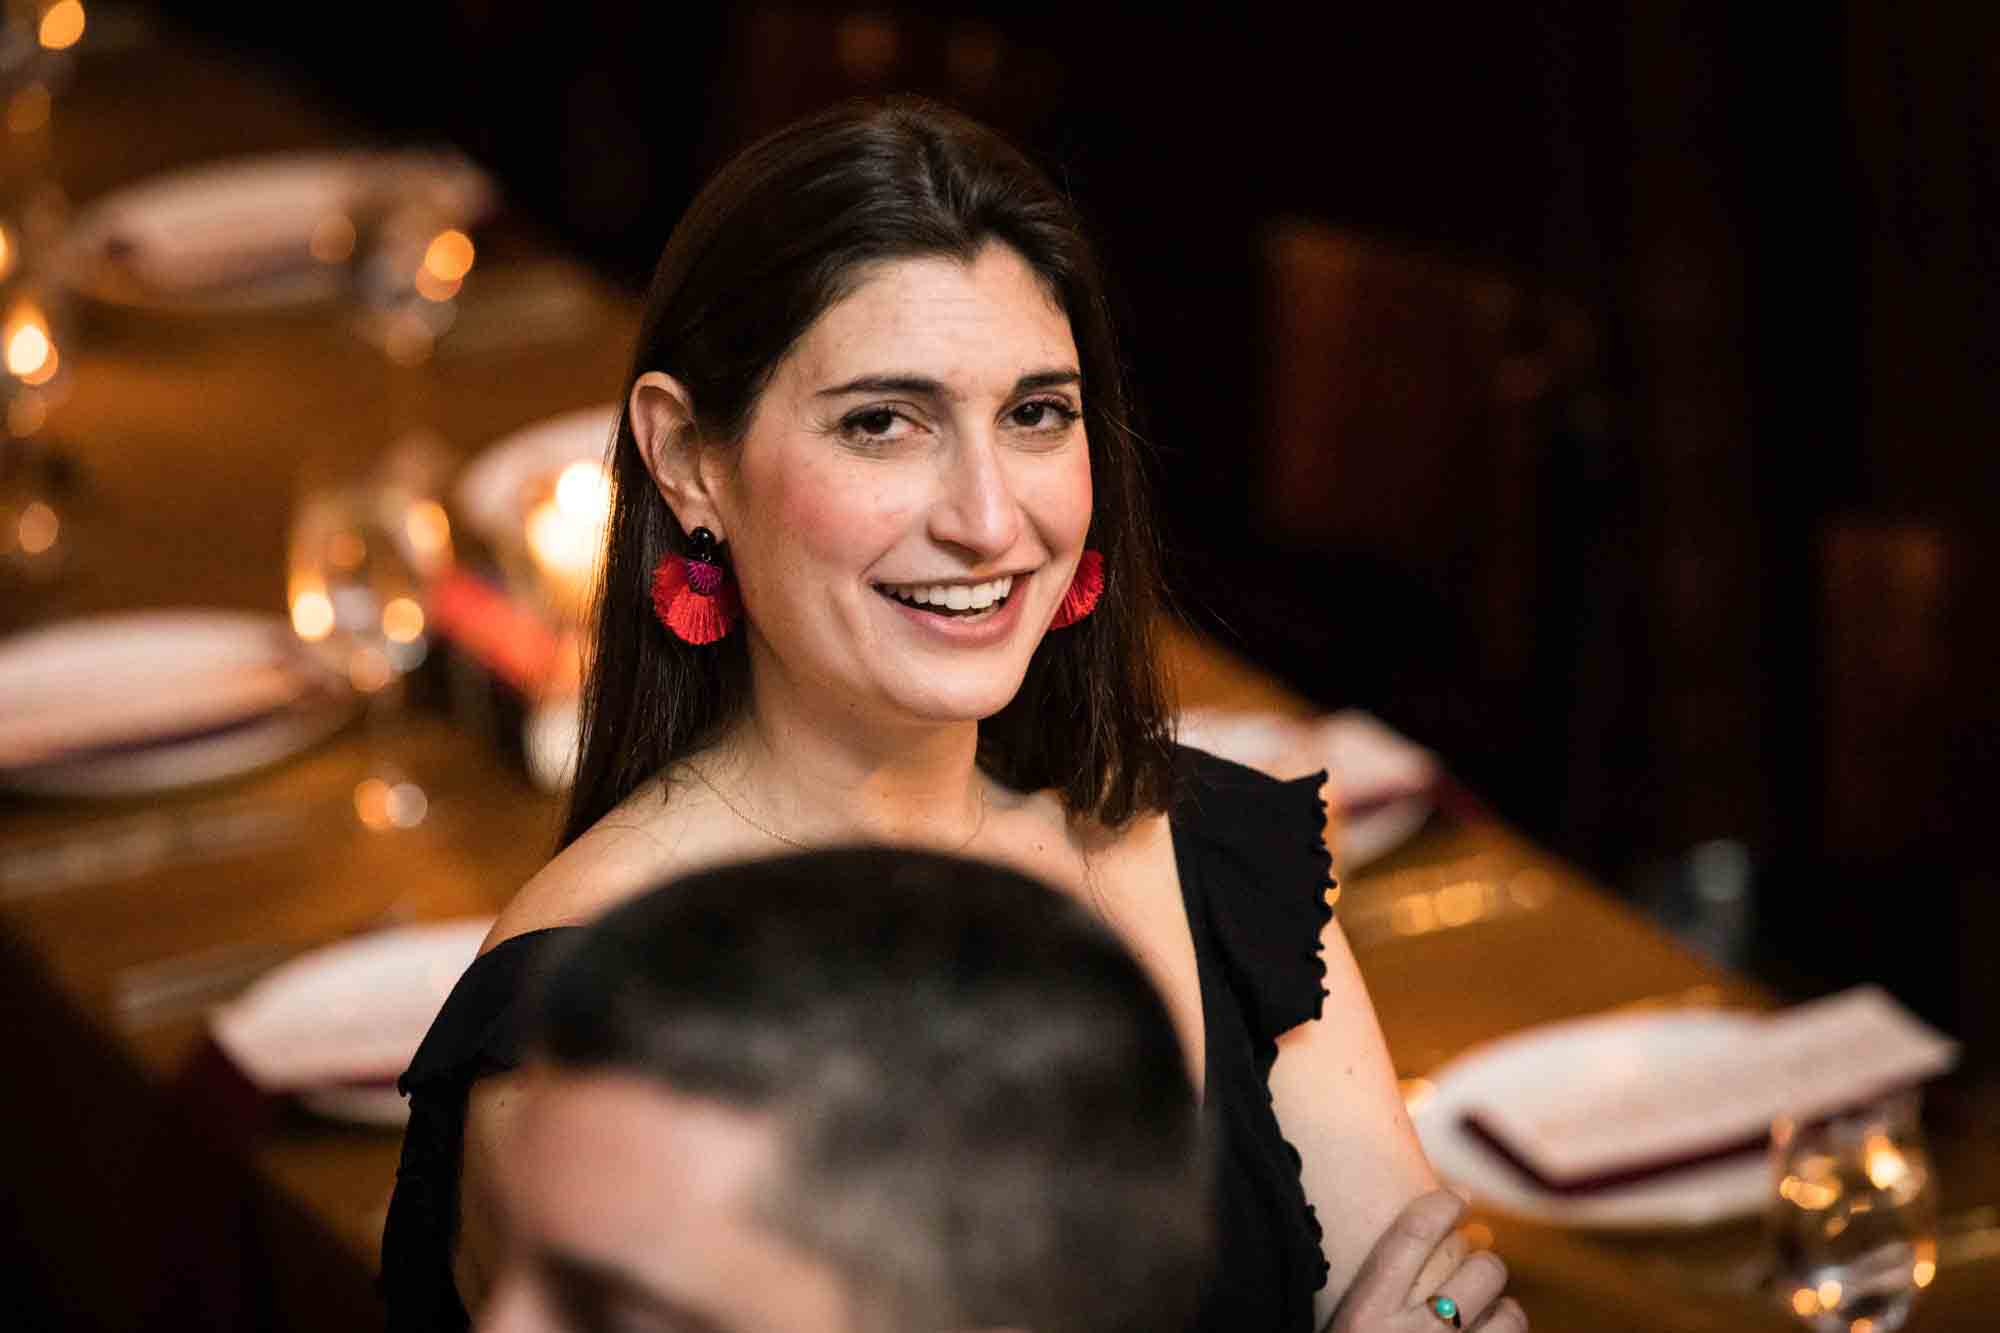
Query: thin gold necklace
[{"x": 770, "y": 832}]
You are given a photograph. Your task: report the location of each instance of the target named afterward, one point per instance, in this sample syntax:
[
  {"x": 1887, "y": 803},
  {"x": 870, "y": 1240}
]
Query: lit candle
[
  {"x": 565, "y": 533},
  {"x": 29, "y": 350}
]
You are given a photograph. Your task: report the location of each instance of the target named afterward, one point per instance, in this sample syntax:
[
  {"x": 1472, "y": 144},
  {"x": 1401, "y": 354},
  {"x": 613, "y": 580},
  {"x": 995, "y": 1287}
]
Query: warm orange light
[
  {"x": 38, "y": 528},
  {"x": 448, "y": 258},
  {"x": 429, "y": 529},
  {"x": 10, "y": 254},
  {"x": 583, "y": 490},
  {"x": 1462, "y": 903},
  {"x": 1829, "y": 1294},
  {"x": 1811, "y": 1195},
  {"x": 1862, "y": 1326},
  {"x": 402, "y": 620},
  {"x": 1413, "y": 914},
  {"x": 30, "y": 354},
  {"x": 312, "y": 615},
  {"x": 381, "y": 805},
  {"x": 1886, "y": 1166},
  {"x": 1805, "y": 1302},
  {"x": 62, "y": 26}
]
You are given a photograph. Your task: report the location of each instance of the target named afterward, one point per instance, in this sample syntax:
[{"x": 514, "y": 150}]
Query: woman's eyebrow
[{"x": 932, "y": 388}]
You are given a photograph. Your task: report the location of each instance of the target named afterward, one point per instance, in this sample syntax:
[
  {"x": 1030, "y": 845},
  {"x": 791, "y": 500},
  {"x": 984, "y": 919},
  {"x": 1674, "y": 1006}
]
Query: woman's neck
[{"x": 820, "y": 775}]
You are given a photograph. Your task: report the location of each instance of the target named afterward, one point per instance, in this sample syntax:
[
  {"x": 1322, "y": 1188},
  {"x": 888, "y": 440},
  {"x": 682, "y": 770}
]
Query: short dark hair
[
  {"x": 779, "y": 235},
  {"x": 983, "y": 1111}
]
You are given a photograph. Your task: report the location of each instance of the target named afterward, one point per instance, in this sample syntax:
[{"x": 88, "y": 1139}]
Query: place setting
[
  {"x": 1792, "y": 1140},
  {"x": 268, "y": 233}
]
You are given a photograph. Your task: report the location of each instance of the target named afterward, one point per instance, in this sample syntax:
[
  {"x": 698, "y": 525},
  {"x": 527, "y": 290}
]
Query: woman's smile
[
  {"x": 954, "y": 599},
  {"x": 989, "y": 614}
]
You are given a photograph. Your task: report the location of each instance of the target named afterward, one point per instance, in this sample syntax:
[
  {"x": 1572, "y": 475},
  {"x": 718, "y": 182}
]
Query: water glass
[
  {"x": 1853, "y": 1216},
  {"x": 359, "y": 558}
]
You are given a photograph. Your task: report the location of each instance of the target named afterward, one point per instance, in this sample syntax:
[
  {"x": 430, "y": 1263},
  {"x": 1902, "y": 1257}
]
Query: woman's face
[{"x": 909, "y": 502}]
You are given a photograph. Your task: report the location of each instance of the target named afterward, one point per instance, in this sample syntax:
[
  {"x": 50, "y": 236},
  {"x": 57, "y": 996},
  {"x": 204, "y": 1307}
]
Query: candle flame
[{"x": 30, "y": 353}]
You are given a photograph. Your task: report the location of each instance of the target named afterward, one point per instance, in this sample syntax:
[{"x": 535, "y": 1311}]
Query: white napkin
[
  {"x": 1368, "y": 762},
  {"x": 352, "y": 1012},
  {"x": 1670, "y": 1107}
]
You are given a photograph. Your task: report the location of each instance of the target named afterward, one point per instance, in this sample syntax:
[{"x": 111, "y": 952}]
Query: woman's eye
[
  {"x": 871, "y": 421},
  {"x": 1043, "y": 414}
]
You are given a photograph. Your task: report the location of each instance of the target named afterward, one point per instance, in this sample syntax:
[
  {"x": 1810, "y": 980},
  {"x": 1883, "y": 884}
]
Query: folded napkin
[
  {"x": 1670, "y": 1107},
  {"x": 348, "y": 1016},
  {"x": 1368, "y": 763}
]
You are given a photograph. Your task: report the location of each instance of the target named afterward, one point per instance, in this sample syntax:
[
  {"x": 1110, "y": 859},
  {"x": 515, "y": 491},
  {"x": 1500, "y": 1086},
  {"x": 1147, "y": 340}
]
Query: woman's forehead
[{"x": 939, "y": 317}]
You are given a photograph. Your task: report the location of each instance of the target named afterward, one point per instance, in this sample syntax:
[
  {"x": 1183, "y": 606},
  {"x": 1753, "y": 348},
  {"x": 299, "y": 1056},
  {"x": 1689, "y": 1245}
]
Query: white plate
[
  {"x": 1533, "y": 1068},
  {"x": 497, "y": 487},
  {"x": 154, "y": 700},
  {"x": 238, "y": 234},
  {"x": 1381, "y": 780},
  {"x": 336, "y": 1026}
]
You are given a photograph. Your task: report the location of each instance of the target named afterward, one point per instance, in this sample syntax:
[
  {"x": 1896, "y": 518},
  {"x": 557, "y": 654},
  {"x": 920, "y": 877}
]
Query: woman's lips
[{"x": 968, "y": 627}]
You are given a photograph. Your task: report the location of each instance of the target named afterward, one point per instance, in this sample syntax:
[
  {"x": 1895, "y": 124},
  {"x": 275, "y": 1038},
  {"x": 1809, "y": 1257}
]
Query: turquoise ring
[{"x": 1446, "y": 1309}]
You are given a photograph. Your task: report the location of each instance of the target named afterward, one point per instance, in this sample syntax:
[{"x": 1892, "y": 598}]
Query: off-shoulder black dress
[{"x": 1254, "y": 874}]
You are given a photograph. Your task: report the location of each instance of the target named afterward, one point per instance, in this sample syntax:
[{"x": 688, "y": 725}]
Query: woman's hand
[{"x": 1420, "y": 1274}]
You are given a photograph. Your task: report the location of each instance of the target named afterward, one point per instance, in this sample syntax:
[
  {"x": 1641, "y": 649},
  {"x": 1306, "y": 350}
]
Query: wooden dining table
[{"x": 146, "y": 1201}]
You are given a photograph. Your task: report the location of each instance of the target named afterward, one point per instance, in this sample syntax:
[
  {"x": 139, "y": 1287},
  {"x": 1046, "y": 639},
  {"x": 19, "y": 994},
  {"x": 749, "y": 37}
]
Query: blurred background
[{"x": 1603, "y": 394}]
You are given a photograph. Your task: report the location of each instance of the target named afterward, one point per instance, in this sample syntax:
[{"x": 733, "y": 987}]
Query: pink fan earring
[
  {"x": 1085, "y": 587},
  {"x": 695, "y": 595}
]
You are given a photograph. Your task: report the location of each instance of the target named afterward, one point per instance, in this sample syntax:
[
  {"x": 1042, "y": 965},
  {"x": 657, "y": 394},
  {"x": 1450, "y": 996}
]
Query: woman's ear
[{"x": 663, "y": 423}]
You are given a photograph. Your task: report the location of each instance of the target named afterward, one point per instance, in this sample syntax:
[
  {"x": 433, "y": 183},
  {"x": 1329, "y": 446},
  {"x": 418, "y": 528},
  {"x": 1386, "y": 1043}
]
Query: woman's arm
[
  {"x": 476, "y": 1254},
  {"x": 1335, "y": 1093}
]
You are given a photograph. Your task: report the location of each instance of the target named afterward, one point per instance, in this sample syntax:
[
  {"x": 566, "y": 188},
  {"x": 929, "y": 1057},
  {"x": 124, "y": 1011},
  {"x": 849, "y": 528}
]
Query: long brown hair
[{"x": 775, "y": 238}]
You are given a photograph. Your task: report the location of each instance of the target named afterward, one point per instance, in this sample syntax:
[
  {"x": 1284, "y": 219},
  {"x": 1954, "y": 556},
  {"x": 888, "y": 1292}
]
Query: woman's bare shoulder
[{"x": 646, "y": 839}]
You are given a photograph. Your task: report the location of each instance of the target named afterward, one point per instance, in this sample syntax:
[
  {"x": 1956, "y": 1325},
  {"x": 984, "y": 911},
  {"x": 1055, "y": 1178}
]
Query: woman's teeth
[{"x": 952, "y": 596}]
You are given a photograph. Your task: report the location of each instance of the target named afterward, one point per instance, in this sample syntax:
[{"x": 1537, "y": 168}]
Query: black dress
[{"x": 1254, "y": 874}]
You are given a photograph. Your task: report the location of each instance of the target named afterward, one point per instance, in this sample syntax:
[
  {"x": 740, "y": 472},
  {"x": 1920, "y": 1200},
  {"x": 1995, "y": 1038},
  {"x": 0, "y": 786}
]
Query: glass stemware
[
  {"x": 360, "y": 557},
  {"x": 1853, "y": 1218},
  {"x": 37, "y": 50},
  {"x": 34, "y": 373}
]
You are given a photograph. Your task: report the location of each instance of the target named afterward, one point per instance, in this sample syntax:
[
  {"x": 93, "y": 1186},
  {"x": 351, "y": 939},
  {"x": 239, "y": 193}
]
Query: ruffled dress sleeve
[
  {"x": 481, "y": 1030},
  {"x": 1255, "y": 875}
]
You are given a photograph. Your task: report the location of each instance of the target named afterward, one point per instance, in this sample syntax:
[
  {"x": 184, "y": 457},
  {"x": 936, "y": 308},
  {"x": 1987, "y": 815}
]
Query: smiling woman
[
  {"x": 880, "y": 568},
  {"x": 906, "y": 507}
]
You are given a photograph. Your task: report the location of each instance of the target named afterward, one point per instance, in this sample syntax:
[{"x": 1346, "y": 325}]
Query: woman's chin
[{"x": 966, "y": 701}]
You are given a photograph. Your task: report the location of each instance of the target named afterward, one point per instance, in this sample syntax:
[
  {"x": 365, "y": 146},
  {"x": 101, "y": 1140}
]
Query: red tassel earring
[
  {"x": 694, "y": 595},
  {"x": 1084, "y": 589}
]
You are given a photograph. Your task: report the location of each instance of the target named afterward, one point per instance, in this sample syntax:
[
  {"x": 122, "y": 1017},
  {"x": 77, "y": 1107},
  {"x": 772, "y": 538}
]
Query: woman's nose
[{"x": 976, "y": 510}]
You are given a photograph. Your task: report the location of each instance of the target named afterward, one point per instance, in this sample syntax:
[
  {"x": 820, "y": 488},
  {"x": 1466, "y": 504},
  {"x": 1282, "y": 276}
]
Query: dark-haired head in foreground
[{"x": 854, "y": 1090}]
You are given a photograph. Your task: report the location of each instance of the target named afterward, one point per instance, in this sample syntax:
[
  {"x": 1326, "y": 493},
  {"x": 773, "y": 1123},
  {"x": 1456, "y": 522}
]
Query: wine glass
[
  {"x": 360, "y": 557},
  {"x": 1853, "y": 1217},
  {"x": 411, "y": 257},
  {"x": 34, "y": 374}
]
